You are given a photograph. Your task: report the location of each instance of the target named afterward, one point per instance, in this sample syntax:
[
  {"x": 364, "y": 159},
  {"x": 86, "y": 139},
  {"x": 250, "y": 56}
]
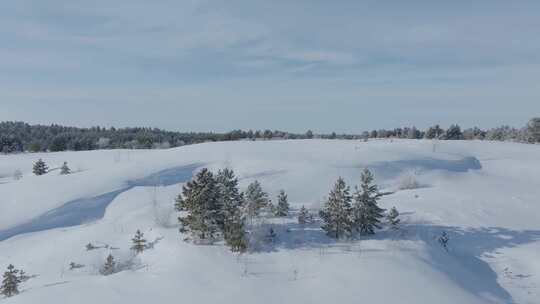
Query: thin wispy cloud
[{"x": 143, "y": 60}]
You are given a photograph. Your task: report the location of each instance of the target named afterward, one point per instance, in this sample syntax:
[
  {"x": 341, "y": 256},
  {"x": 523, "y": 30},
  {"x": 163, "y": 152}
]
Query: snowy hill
[{"x": 485, "y": 195}]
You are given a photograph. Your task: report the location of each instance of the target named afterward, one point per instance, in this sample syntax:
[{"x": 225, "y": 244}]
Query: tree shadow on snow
[{"x": 464, "y": 262}]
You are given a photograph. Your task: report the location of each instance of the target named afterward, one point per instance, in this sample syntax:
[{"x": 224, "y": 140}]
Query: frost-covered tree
[
  {"x": 336, "y": 211},
  {"x": 231, "y": 199},
  {"x": 304, "y": 217},
  {"x": 235, "y": 236},
  {"x": 533, "y": 129},
  {"x": 453, "y": 133},
  {"x": 10, "y": 282},
  {"x": 65, "y": 169},
  {"x": 201, "y": 204},
  {"x": 256, "y": 199},
  {"x": 139, "y": 242},
  {"x": 367, "y": 214},
  {"x": 282, "y": 208},
  {"x": 40, "y": 167},
  {"x": 109, "y": 267},
  {"x": 393, "y": 218}
]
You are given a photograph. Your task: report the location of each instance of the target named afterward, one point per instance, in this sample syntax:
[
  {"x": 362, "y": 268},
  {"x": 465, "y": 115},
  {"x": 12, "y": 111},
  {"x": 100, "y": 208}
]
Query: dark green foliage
[
  {"x": 40, "y": 167},
  {"x": 10, "y": 282},
  {"x": 235, "y": 236},
  {"x": 336, "y": 211},
  {"x": 256, "y": 199},
  {"x": 232, "y": 203},
  {"x": 282, "y": 208},
  {"x": 443, "y": 240},
  {"x": 200, "y": 201},
  {"x": 453, "y": 133},
  {"x": 139, "y": 242},
  {"x": 366, "y": 213}
]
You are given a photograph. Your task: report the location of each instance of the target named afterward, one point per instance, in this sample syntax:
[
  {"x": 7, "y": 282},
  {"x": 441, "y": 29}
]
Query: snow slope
[{"x": 484, "y": 194}]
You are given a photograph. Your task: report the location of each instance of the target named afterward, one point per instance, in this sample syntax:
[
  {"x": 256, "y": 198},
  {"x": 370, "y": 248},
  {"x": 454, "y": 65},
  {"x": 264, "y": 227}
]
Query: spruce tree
[
  {"x": 235, "y": 236},
  {"x": 231, "y": 200},
  {"x": 65, "y": 169},
  {"x": 200, "y": 200},
  {"x": 40, "y": 167},
  {"x": 10, "y": 282},
  {"x": 336, "y": 211},
  {"x": 367, "y": 214},
  {"x": 282, "y": 208},
  {"x": 109, "y": 267},
  {"x": 139, "y": 242},
  {"x": 392, "y": 218},
  {"x": 303, "y": 216},
  {"x": 256, "y": 199}
]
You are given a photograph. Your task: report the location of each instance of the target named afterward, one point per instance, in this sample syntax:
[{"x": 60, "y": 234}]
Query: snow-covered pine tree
[
  {"x": 139, "y": 242},
  {"x": 65, "y": 169},
  {"x": 10, "y": 282},
  {"x": 231, "y": 200},
  {"x": 336, "y": 213},
  {"x": 256, "y": 199},
  {"x": 235, "y": 237},
  {"x": 303, "y": 216},
  {"x": 282, "y": 208},
  {"x": 200, "y": 200},
  {"x": 109, "y": 267},
  {"x": 366, "y": 213},
  {"x": 393, "y": 218},
  {"x": 40, "y": 167}
]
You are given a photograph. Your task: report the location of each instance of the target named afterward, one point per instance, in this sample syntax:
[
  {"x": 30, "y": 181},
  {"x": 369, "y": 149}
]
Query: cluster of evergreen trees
[
  {"x": 345, "y": 214},
  {"x": 530, "y": 133},
  {"x": 41, "y": 168},
  {"x": 213, "y": 208},
  {"x": 22, "y": 137}
]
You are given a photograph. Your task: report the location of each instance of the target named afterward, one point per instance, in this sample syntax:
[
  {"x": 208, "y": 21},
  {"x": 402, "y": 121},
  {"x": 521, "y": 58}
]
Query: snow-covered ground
[{"x": 485, "y": 195}]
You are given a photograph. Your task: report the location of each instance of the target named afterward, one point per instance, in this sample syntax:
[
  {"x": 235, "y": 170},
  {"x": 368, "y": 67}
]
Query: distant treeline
[{"x": 22, "y": 137}]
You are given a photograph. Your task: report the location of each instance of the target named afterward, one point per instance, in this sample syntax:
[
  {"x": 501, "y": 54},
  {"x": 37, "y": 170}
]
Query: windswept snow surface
[{"x": 485, "y": 195}]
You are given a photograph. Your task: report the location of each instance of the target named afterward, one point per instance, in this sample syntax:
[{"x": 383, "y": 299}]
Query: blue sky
[{"x": 343, "y": 66}]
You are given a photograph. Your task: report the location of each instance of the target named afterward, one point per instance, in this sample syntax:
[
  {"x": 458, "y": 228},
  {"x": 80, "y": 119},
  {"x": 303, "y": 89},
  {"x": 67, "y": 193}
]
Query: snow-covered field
[{"x": 485, "y": 195}]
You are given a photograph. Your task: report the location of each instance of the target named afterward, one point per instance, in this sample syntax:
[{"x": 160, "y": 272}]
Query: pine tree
[
  {"x": 40, "y": 167},
  {"x": 200, "y": 199},
  {"x": 139, "y": 242},
  {"x": 230, "y": 197},
  {"x": 303, "y": 216},
  {"x": 336, "y": 211},
  {"x": 392, "y": 218},
  {"x": 366, "y": 213},
  {"x": 282, "y": 208},
  {"x": 109, "y": 267},
  {"x": 256, "y": 199},
  {"x": 443, "y": 240},
  {"x": 10, "y": 283},
  {"x": 65, "y": 169},
  {"x": 235, "y": 237}
]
